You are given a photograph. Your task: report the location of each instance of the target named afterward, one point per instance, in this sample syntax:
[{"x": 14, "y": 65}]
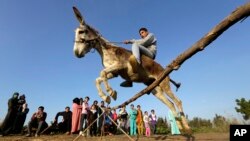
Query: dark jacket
[{"x": 67, "y": 116}]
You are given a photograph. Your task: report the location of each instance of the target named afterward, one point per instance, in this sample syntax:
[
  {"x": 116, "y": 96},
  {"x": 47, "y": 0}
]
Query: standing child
[
  {"x": 153, "y": 121},
  {"x": 132, "y": 119},
  {"x": 146, "y": 122},
  {"x": 84, "y": 115},
  {"x": 139, "y": 120},
  {"x": 123, "y": 119},
  {"x": 114, "y": 117},
  {"x": 92, "y": 116}
]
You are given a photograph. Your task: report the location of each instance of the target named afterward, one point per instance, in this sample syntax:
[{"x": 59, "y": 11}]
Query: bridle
[
  {"x": 86, "y": 41},
  {"x": 91, "y": 43}
]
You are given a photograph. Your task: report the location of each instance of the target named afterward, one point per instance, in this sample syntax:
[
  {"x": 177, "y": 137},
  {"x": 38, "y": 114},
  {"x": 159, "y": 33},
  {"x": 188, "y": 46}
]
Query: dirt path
[{"x": 195, "y": 137}]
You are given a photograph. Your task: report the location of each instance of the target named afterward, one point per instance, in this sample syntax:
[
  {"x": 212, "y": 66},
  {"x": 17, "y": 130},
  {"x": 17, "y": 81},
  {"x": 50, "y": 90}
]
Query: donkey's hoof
[
  {"x": 114, "y": 95},
  {"x": 182, "y": 114},
  {"x": 107, "y": 99},
  {"x": 187, "y": 132}
]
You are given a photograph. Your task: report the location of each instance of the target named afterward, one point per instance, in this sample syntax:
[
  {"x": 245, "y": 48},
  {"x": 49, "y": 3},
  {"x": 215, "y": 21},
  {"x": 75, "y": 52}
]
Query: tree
[
  {"x": 221, "y": 124},
  {"x": 244, "y": 107},
  {"x": 219, "y": 121},
  {"x": 162, "y": 126},
  {"x": 199, "y": 122}
]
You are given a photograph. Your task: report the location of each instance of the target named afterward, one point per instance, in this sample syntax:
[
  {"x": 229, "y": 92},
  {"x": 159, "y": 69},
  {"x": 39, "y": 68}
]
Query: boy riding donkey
[{"x": 146, "y": 46}]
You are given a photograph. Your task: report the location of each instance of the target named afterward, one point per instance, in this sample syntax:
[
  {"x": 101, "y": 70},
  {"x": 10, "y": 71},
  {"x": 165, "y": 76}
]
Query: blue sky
[{"x": 36, "y": 52}]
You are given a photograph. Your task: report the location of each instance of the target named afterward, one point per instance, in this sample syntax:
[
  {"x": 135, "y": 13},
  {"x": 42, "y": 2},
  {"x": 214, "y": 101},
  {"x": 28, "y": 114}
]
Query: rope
[{"x": 116, "y": 42}]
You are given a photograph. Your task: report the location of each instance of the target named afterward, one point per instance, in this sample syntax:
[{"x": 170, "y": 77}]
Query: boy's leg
[{"x": 136, "y": 52}]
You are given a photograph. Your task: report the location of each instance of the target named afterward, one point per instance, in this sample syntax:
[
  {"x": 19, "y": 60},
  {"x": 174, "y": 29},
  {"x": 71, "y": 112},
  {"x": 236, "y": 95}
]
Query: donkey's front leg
[
  {"x": 106, "y": 74},
  {"x": 103, "y": 78},
  {"x": 107, "y": 86},
  {"x": 98, "y": 81}
]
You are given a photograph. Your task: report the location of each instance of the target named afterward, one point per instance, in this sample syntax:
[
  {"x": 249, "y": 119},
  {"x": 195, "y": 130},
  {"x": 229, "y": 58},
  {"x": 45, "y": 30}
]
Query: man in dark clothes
[
  {"x": 8, "y": 122},
  {"x": 101, "y": 117},
  {"x": 92, "y": 116},
  {"x": 21, "y": 114},
  {"x": 37, "y": 121},
  {"x": 65, "y": 125}
]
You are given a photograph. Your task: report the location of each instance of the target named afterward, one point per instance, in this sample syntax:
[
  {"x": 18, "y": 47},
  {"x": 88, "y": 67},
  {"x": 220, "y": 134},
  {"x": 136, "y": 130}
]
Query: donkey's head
[{"x": 85, "y": 36}]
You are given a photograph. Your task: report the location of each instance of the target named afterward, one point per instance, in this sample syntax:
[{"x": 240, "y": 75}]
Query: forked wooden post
[
  {"x": 103, "y": 112},
  {"x": 88, "y": 127},
  {"x": 120, "y": 129}
]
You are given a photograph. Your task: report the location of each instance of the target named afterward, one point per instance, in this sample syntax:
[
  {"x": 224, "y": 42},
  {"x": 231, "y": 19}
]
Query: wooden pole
[
  {"x": 237, "y": 15},
  {"x": 120, "y": 129},
  {"x": 46, "y": 129},
  {"x": 104, "y": 110}
]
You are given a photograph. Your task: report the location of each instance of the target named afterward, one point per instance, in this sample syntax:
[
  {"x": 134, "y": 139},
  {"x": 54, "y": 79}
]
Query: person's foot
[
  {"x": 127, "y": 84},
  {"x": 178, "y": 86},
  {"x": 67, "y": 133},
  {"x": 36, "y": 135}
]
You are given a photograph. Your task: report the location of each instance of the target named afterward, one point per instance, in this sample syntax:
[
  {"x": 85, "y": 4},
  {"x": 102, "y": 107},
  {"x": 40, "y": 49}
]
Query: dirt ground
[{"x": 195, "y": 137}]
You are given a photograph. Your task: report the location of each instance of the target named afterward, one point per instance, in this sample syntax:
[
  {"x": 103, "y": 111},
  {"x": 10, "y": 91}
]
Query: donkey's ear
[{"x": 78, "y": 15}]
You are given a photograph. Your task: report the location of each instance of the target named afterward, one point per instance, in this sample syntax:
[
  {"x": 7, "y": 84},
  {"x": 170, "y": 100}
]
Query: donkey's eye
[
  {"x": 83, "y": 31},
  {"x": 80, "y": 32}
]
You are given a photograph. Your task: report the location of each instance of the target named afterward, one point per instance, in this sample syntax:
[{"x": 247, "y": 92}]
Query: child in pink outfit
[{"x": 146, "y": 122}]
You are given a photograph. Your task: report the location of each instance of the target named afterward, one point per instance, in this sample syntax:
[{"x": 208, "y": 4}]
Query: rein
[
  {"x": 116, "y": 42},
  {"x": 90, "y": 40},
  {"x": 84, "y": 40}
]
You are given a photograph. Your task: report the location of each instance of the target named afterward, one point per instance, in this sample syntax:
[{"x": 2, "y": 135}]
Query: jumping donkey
[{"x": 118, "y": 61}]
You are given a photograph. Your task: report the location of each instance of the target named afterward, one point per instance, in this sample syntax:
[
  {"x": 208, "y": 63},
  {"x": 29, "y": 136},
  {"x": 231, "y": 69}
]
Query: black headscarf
[{"x": 76, "y": 100}]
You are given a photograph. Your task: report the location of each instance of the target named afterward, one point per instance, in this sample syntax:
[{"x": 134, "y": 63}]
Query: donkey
[{"x": 118, "y": 61}]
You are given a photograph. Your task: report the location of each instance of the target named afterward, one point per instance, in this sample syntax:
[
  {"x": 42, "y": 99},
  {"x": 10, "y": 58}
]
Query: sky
[{"x": 36, "y": 53}]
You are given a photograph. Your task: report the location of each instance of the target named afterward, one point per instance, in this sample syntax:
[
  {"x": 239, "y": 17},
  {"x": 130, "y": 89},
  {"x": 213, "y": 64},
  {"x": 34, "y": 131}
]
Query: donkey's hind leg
[
  {"x": 165, "y": 85},
  {"x": 158, "y": 92}
]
